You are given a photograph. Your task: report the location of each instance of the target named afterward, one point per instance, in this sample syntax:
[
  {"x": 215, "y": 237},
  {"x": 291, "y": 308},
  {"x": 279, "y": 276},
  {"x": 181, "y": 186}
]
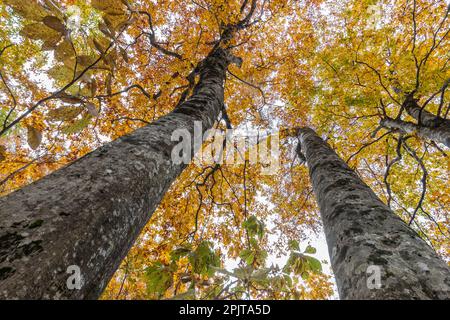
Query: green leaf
[
  {"x": 2, "y": 153},
  {"x": 64, "y": 51},
  {"x": 288, "y": 280},
  {"x": 113, "y": 7}
]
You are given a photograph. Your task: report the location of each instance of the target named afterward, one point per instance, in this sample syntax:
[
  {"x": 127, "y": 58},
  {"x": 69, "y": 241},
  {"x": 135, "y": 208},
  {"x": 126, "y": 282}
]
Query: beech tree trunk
[
  {"x": 429, "y": 125},
  {"x": 364, "y": 235},
  {"x": 438, "y": 135},
  {"x": 90, "y": 213}
]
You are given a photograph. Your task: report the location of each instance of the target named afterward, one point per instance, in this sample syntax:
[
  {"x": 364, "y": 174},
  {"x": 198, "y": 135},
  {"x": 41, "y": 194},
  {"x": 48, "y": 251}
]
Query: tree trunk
[
  {"x": 437, "y": 127},
  {"x": 90, "y": 213},
  {"x": 364, "y": 235},
  {"x": 426, "y": 118},
  {"x": 436, "y": 134}
]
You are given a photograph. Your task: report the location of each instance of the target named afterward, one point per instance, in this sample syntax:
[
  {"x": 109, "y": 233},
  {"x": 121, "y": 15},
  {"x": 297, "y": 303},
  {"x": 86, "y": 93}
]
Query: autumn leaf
[
  {"x": 159, "y": 278},
  {"x": 39, "y": 31},
  {"x": 54, "y": 23},
  {"x": 29, "y": 9},
  {"x": 63, "y": 113},
  {"x": 340, "y": 67},
  {"x": 92, "y": 109}
]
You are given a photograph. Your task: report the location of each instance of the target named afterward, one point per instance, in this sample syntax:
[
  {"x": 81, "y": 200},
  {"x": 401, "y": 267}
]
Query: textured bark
[
  {"x": 436, "y": 134},
  {"x": 437, "y": 128},
  {"x": 362, "y": 231},
  {"x": 426, "y": 118},
  {"x": 90, "y": 213}
]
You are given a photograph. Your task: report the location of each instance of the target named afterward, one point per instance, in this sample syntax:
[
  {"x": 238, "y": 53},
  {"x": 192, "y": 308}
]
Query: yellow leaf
[{"x": 113, "y": 7}]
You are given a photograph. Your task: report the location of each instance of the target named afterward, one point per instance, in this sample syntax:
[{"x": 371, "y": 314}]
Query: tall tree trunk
[
  {"x": 89, "y": 213},
  {"x": 436, "y": 134},
  {"x": 437, "y": 127},
  {"x": 364, "y": 235}
]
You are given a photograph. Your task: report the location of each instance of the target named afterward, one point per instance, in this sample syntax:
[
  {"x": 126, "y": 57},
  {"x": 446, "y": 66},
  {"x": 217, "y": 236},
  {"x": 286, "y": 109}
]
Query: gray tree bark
[
  {"x": 364, "y": 235},
  {"x": 89, "y": 213},
  {"x": 434, "y": 128},
  {"x": 438, "y": 135}
]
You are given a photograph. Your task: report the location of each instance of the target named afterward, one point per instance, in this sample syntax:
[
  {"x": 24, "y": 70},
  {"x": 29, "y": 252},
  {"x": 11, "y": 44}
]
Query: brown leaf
[
  {"x": 2, "y": 153},
  {"x": 124, "y": 54},
  {"x": 93, "y": 86},
  {"x": 34, "y": 137},
  {"x": 67, "y": 98},
  {"x": 61, "y": 73},
  {"x": 64, "y": 113},
  {"x": 64, "y": 51},
  {"x": 99, "y": 46},
  {"x": 50, "y": 44}
]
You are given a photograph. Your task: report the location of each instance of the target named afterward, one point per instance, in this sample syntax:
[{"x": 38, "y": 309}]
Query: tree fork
[
  {"x": 89, "y": 213},
  {"x": 363, "y": 232},
  {"x": 438, "y": 135}
]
